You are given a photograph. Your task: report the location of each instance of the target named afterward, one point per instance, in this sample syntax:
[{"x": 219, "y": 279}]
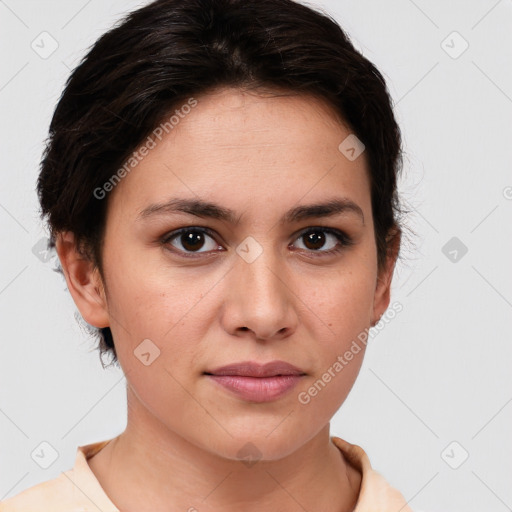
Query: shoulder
[
  {"x": 42, "y": 497},
  {"x": 75, "y": 490},
  {"x": 375, "y": 492}
]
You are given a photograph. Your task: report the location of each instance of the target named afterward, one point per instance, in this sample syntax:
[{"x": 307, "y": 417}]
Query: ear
[
  {"x": 383, "y": 288},
  {"x": 83, "y": 280}
]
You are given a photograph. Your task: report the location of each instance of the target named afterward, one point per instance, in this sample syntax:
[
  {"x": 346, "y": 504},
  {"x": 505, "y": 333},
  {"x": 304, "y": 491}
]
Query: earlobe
[{"x": 83, "y": 280}]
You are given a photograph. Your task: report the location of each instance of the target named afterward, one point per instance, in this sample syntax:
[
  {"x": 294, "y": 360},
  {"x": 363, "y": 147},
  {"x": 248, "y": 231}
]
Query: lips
[
  {"x": 253, "y": 382},
  {"x": 251, "y": 369}
]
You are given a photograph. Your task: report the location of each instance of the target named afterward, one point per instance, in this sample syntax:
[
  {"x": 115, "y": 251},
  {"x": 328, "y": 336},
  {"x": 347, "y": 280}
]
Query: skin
[{"x": 259, "y": 156}]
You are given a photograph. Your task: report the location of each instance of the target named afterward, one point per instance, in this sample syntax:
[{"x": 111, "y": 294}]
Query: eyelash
[{"x": 345, "y": 240}]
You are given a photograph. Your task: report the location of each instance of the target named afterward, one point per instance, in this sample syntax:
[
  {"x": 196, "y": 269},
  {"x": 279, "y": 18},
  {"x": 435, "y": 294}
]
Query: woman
[{"x": 220, "y": 186}]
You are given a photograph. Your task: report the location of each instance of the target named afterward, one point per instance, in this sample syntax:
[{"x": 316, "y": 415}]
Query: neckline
[{"x": 353, "y": 455}]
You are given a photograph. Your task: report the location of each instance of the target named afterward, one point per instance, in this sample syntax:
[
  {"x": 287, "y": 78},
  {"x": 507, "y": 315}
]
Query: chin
[{"x": 253, "y": 445}]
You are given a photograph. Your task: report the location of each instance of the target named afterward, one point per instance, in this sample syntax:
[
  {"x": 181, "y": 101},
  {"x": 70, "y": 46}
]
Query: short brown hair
[{"x": 162, "y": 54}]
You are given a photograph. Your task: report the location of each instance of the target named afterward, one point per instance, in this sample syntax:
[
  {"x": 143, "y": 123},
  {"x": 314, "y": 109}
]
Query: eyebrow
[{"x": 206, "y": 209}]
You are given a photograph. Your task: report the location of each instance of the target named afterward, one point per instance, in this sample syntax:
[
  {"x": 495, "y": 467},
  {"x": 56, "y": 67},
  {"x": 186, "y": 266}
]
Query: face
[{"x": 256, "y": 278}]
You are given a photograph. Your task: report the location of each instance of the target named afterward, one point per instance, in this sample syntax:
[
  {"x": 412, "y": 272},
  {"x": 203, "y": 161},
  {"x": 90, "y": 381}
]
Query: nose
[{"x": 260, "y": 302}]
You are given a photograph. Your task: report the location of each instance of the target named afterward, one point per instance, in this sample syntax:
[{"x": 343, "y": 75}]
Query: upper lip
[{"x": 253, "y": 369}]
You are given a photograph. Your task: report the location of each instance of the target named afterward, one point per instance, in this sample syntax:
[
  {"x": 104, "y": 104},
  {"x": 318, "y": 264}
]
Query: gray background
[{"x": 435, "y": 386}]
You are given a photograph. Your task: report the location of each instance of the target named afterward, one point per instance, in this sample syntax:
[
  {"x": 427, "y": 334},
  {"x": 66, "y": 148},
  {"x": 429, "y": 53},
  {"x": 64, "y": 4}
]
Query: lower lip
[{"x": 257, "y": 389}]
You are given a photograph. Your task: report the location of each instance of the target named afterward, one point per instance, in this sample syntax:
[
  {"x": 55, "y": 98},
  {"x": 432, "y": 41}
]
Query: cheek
[
  {"x": 173, "y": 311},
  {"x": 155, "y": 332},
  {"x": 151, "y": 301},
  {"x": 342, "y": 301},
  {"x": 341, "y": 315},
  {"x": 340, "y": 311}
]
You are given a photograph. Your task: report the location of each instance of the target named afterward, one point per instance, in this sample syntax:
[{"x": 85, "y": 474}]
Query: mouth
[
  {"x": 252, "y": 369},
  {"x": 257, "y": 383}
]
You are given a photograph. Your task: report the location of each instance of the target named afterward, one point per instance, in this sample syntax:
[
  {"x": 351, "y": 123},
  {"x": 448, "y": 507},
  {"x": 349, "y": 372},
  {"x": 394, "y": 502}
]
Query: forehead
[
  {"x": 231, "y": 119},
  {"x": 239, "y": 146}
]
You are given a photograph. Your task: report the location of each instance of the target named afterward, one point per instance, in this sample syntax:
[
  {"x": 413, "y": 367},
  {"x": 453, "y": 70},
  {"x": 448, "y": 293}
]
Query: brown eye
[
  {"x": 314, "y": 240},
  {"x": 324, "y": 240},
  {"x": 191, "y": 240}
]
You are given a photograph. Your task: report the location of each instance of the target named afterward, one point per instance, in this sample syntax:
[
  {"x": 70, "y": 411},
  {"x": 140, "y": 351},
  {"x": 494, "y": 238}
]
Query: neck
[{"x": 149, "y": 467}]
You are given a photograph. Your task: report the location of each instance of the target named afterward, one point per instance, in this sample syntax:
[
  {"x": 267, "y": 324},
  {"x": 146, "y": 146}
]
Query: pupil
[
  {"x": 316, "y": 239},
  {"x": 192, "y": 240}
]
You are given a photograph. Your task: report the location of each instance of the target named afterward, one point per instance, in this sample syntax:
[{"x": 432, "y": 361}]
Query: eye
[
  {"x": 196, "y": 240},
  {"x": 331, "y": 240},
  {"x": 191, "y": 240}
]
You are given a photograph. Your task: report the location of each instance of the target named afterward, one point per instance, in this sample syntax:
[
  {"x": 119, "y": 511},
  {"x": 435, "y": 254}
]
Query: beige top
[{"x": 78, "y": 490}]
